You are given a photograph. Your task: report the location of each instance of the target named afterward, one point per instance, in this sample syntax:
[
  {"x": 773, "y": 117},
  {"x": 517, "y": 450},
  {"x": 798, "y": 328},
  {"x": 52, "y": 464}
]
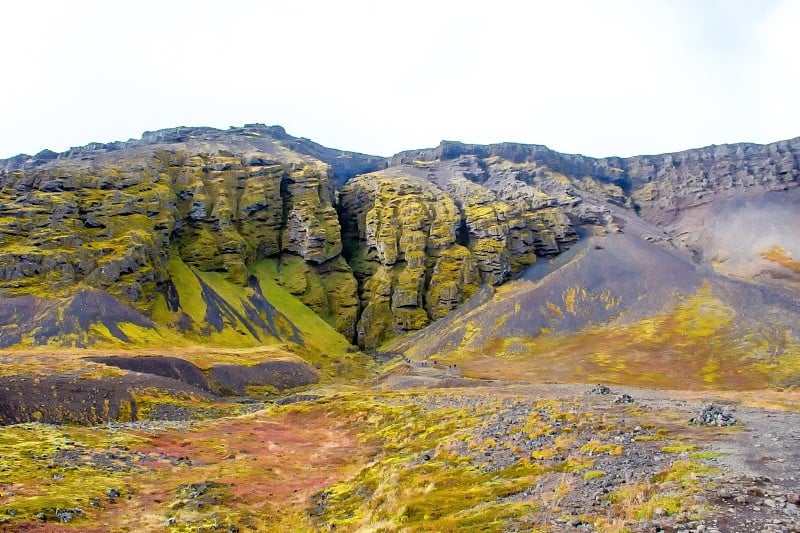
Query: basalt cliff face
[
  {"x": 172, "y": 225},
  {"x": 136, "y": 219}
]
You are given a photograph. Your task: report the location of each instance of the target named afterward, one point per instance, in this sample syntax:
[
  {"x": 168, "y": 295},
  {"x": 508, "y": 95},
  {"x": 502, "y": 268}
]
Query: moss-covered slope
[
  {"x": 618, "y": 308},
  {"x": 199, "y": 232},
  {"x": 174, "y": 227}
]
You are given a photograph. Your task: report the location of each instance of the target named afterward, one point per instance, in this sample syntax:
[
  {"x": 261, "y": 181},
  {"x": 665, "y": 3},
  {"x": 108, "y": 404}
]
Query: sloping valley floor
[{"x": 420, "y": 448}]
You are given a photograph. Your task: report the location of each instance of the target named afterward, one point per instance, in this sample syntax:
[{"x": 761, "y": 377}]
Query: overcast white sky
[{"x": 594, "y": 77}]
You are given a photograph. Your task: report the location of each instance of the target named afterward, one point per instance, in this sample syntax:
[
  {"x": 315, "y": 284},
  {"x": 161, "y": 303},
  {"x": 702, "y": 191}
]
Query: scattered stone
[
  {"x": 624, "y": 398},
  {"x": 793, "y": 498},
  {"x": 295, "y": 398},
  {"x": 601, "y": 389},
  {"x": 725, "y": 494},
  {"x": 66, "y": 515},
  {"x": 714, "y": 416}
]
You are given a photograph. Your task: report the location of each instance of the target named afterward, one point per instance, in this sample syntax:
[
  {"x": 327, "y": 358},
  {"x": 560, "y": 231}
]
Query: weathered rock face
[
  {"x": 377, "y": 247},
  {"x": 113, "y": 226},
  {"x": 663, "y": 185},
  {"x": 111, "y": 216},
  {"x": 425, "y": 235},
  {"x": 509, "y": 216},
  {"x": 105, "y": 227},
  {"x": 658, "y": 185},
  {"x": 232, "y": 211},
  {"x": 402, "y": 232}
]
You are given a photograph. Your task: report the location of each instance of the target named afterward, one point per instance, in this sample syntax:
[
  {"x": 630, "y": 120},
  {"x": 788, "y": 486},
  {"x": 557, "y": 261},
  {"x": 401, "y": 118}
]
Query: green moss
[
  {"x": 188, "y": 288},
  {"x": 696, "y": 456},
  {"x": 593, "y": 474},
  {"x": 292, "y": 274},
  {"x": 685, "y": 472},
  {"x": 640, "y": 500},
  {"x": 35, "y": 459},
  {"x": 660, "y": 434},
  {"x": 160, "y": 312},
  {"x": 443, "y": 493},
  {"x": 678, "y": 447},
  {"x": 325, "y": 346}
]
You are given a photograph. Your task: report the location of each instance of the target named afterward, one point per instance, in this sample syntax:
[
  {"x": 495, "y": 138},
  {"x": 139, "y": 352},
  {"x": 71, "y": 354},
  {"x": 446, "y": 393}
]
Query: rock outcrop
[
  {"x": 403, "y": 235},
  {"x": 665, "y": 184},
  {"x": 110, "y": 216},
  {"x": 377, "y": 247},
  {"x": 424, "y": 235}
]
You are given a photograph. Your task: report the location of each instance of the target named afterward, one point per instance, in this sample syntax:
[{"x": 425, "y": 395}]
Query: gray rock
[
  {"x": 714, "y": 416},
  {"x": 624, "y": 398},
  {"x": 601, "y": 389}
]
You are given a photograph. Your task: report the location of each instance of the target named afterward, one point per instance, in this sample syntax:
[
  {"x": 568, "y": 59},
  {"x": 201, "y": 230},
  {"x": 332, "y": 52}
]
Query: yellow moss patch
[
  {"x": 593, "y": 474},
  {"x": 678, "y": 447},
  {"x": 780, "y": 256}
]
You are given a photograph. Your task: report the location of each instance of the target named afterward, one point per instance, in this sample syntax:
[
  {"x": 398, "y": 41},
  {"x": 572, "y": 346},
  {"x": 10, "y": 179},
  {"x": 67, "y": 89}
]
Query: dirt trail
[{"x": 767, "y": 444}]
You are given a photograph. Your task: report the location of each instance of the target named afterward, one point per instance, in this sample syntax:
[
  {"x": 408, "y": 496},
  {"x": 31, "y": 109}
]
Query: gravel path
[
  {"x": 760, "y": 481},
  {"x": 759, "y": 462}
]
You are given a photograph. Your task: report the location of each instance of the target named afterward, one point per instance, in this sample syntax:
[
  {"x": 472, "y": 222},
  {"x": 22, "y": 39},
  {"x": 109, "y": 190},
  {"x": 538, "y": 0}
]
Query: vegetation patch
[{"x": 701, "y": 336}]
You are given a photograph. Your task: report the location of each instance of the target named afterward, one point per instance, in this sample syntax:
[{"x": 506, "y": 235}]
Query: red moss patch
[{"x": 263, "y": 461}]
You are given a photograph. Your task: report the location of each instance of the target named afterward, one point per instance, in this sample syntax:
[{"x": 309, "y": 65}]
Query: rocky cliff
[
  {"x": 424, "y": 236},
  {"x": 112, "y": 216},
  {"x": 657, "y": 185},
  {"x": 172, "y": 223}
]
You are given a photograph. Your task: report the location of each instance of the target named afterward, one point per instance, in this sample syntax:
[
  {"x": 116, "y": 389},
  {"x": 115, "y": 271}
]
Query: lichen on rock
[{"x": 111, "y": 220}]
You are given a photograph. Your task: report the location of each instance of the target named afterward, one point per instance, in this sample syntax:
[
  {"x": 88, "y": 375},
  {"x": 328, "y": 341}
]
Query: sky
[{"x": 601, "y": 78}]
